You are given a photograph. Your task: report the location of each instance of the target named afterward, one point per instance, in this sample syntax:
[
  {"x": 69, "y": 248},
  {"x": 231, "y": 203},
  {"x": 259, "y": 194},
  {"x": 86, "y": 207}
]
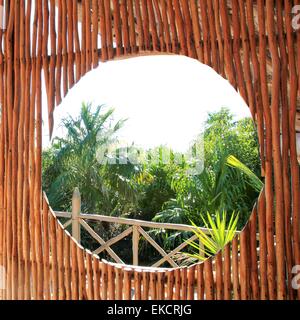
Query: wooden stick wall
[{"x": 250, "y": 43}]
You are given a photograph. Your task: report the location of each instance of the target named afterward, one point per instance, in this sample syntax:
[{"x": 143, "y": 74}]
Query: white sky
[{"x": 165, "y": 98}]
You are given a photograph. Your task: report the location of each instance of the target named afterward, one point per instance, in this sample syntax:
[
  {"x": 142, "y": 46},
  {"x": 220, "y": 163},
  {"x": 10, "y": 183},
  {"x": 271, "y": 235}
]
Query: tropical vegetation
[{"x": 154, "y": 190}]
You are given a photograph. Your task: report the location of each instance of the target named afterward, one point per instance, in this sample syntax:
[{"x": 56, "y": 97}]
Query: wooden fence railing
[{"x": 135, "y": 228}]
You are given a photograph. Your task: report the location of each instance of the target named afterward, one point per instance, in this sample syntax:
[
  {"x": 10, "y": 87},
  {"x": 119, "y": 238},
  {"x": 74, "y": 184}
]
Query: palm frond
[
  {"x": 253, "y": 179},
  {"x": 218, "y": 234}
]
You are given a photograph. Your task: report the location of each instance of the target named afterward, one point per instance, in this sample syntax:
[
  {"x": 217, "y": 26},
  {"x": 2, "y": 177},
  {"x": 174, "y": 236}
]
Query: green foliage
[
  {"x": 253, "y": 179},
  {"x": 219, "y": 187},
  {"x": 154, "y": 190},
  {"x": 72, "y": 162},
  {"x": 219, "y": 234}
]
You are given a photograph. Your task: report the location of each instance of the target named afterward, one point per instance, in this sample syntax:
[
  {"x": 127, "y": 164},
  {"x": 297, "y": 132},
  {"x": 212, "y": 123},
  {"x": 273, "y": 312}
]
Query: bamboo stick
[
  {"x": 108, "y": 28},
  {"x": 285, "y": 146},
  {"x": 278, "y": 180},
  {"x": 177, "y": 288},
  {"x": 188, "y": 29},
  {"x": 206, "y": 35},
  {"x": 256, "y": 74},
  {"x": 20, "y": 183},
  {"x": 125, "y": 29},
  {"x": 46, "y": 249},
  {"x": 145, "y": 20},
  {"x": 153, "y": 31},
  {"x": 81, "y": 274},
  {"x": 153, "y": 280},
  {"x": 83, "y": 38},
  {"x": 214, "y": 25},
  {"x": 67, "y": 269},
  {"x": 14, "y": 162},
  {"x": 170, "y": 285},
  {"x": 235, "y": 269},
  {"x": 159, "y": 25},
  {"x": 236, "y": 49},
  {"x": 268, "y": 157},
  {"x": 58, "y": 55},
  {"x": 244, "y": 271},
  {"x": 52, "y": 81},
  {"x": 200, "y": 281},
  {"x": 294, "y": 84},
  {"x": 139, "y": 22},
  {"x": 183, "y": 273},
  {"x": 96, "y": 282},
  {"x": 262, "y": 246},
  {"x": 76, "y": 41},
  {"x": 90, "y": 275},
  {"x": 218, "y": 27},
  {"x": 137, "y": 284},
  {"x": 60, "y": 263},
  {"x": 104, "y": 281},
  {"x": 196, "y": 30},
  {"x": 219, "y": 276},
  {"x": 253, "y": 255},
  {"x": 174, "y": 35},
  {"x": 227, "y": 273},
  {"x": 166, "y": 26},
  {"x": 209, "y": 280},
  {"x": 111, "y": 282},
  {"x": 228, "y": 54},
  {"x": 54, "y": 263},
  {"x": 246, "y": 61},
  {"x": 160, "y": 286},
  {"x": 88, "y": 35},
  {"x": 70, "y": 48},
  {"x": 180, "y": 28},
  {"x": 127, "y": 283},
  {"x": 117, "y": 28},
  {"x": 145, "y": 281},
  {"x": 64, "y": 48},
  {"x": 74, "y": 272},
  {"x": 191, "y": 283}
]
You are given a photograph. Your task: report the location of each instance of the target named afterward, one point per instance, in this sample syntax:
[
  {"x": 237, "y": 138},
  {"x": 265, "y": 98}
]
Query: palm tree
[
  {"x": 86, "y": 132},
  {"x": 219, "y": 233},
  {"x": 75, "y": 163}
]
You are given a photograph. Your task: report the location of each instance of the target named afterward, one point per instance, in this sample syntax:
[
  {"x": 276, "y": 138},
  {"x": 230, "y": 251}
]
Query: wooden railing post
[
  {"x": 135, "y": 245},
  {"x": 76, "y": 209}
]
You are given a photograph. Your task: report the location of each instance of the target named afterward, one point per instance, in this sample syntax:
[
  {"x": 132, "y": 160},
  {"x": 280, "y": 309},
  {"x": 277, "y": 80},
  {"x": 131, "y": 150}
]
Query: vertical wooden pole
[
  {"x": 137, "y": 284},
  {"x": 127, "y": 283},
  {"x": 135, "y": 245},
  {"x": 76, "y": 208}
]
